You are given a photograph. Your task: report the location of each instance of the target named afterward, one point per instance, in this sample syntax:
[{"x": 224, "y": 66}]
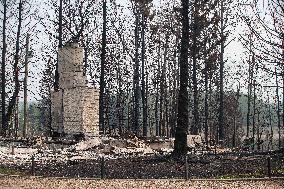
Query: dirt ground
[
  {"x": 160, "y": 168},
  {"x": 43, "y": 183}
]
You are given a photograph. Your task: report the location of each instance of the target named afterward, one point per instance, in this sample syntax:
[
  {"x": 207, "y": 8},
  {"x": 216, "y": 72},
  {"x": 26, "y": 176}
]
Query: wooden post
[
  {"x": 186, "y": 168},
  {"x": 102, "y": 167},
  {"x": 33, "y": 166},
  {"x": 269, "y": 166},
  {"x": 13, "y": 149}
]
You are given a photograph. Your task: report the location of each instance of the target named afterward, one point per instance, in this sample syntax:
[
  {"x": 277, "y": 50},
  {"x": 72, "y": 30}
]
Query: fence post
[
  {"x": 186, "y": 167},
  {"x": 33, "y": 166},
  {"x": 102, "y": 167},
  {"x": 13, "y": 150},
  {"x": 269, "y": 166}
]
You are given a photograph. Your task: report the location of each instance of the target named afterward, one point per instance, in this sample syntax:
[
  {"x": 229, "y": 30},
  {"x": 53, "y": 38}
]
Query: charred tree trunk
[
  {"x": 234, "y": 141},
  {"x": 49, "y": 130},
  {"x": 248, "y": 102},
  {"x": 60, "y": 44},
  {"x": 163, "y": 91},
  {"x": 258, "y": 131},
  {"x": 270, "y": 122},
  {"x": 175, "y": 76},
  {"x": 3, "y": 71},
  {"x": 234, "y": 132},
  {"x": 13, "y": 100},
  {"x": 221, "y": 100},
  {"x": 156, "y": 112},
  {"x": 194, "y": 51},
  {"x": 278, "y": 110},
  {"x": 136, "y": 88},
  {"x": 12, "y": 132},
  {"x": 180, "y": 144},
  {"x": 206, "y": 105},
  {"x": 26, "y": 89},
  {"x": 282, "y": 80},
  {"x": 143, "y": 92},
  {"x": 119, "y": 102},
  {"x": 254, "y": 112},
  {"x": 102, "y": 75},
  {"x": 249, "y": 96},
  {"x": 210, "y": 124}
]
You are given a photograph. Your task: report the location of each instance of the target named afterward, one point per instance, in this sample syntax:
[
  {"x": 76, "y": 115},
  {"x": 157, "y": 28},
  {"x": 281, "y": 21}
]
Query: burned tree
[
  {"x": 3, "y": 71},
  {"x": 180, "y": 146}
]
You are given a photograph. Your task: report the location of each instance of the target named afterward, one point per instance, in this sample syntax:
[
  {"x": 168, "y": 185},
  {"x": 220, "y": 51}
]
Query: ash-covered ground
[{"x": 133, "y": 159}]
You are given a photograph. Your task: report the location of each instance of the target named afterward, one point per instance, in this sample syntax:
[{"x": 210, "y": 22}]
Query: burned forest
[{"x": 187, "y": 91}]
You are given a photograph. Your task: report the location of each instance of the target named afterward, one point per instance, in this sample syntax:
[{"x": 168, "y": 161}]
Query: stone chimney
[
  {"x": 70, "y": 67},
  {"x": 75, "y": 106}
]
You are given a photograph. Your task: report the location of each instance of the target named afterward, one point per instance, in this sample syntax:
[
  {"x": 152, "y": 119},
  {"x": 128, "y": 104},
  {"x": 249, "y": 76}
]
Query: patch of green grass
[{"x": 10, "y": 171}]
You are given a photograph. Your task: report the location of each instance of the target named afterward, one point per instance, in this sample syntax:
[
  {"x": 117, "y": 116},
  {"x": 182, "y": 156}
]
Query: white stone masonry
[{"x": 75, "y": 107}]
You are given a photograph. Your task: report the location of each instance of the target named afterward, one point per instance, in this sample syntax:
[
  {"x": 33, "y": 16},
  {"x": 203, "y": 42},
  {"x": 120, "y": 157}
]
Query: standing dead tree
[
  {"x": 3, "y": 71},
  {"x": 180, "y": 146},
  {"x": 102, "y": 75},
  {"x": 13, "y": 100}
]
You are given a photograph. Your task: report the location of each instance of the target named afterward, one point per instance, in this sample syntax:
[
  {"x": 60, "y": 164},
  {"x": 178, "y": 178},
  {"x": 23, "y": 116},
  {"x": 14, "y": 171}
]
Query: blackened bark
[
  {"x": 102, "y": 76},
  {"x": 60, "y": 30},
  {"x": 143, "y": 92},
  {"x": 206, "y": 104},
  {"x": 282, "y": 78},
  {"x": 250, "y": 78},
  {"x": 194, "y": 128},
  {"x": 163, "y": 90},
  {"x": 253, "y": 116},
  {"x": 221, "y": 97},
  {"x": 3, "y": 71},
  {"x": 278, "y": 110},
  {"x": 136, "y": 88},
  {"x": 119, "y": 102},
  {"x": 26, "y": 89},
  {"x": 180, "y": 145},
  {"x": 56, "y": 76},
  {"x": 12, "y": 102},
  {"x": 156, "y": 112}
]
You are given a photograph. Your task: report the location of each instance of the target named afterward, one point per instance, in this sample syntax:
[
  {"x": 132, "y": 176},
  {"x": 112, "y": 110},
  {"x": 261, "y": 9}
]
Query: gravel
[{"x": 42, "y": 183}]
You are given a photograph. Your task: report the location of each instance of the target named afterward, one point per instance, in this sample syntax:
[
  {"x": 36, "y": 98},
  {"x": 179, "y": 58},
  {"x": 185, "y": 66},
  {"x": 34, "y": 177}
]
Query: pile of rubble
[
  {"x": 123, "y": 147},
  {"x": 44, "y": 152}
]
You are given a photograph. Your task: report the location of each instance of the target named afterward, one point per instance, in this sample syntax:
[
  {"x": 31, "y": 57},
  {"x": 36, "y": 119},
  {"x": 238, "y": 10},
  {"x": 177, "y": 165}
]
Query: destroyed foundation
[{"x": 75, "y": 107}]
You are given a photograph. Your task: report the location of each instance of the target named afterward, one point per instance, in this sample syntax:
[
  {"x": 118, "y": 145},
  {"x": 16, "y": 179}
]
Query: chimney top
[{"x": 74, "y": 44}]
